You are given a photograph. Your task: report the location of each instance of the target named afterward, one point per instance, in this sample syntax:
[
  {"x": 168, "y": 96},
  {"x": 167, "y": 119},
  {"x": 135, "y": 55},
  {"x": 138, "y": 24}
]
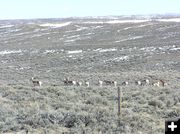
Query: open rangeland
[{"x": 67, "y": 58}]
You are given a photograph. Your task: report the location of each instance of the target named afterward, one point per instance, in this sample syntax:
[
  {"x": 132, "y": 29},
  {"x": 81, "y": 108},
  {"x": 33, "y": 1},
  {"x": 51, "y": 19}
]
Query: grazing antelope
[
  {"x": 69, "y": 82},
  {"x": 79, "y": 83},
  {"x": 115, "y": 83},
  {"x": 87, "y": 83},
  {"x": 138, "y": 83},
  {"x": 125, "y": 83},
  {"x": 74, "y": 82},
  {"x": 163, "y": 83},
  {"x": 157, "y": 84},
  {"x": 147, "y": 81},
  {"x": 107, "y": 82},
  {"x": 100, "y": 83},
  {"x": 36, "y": 82}
]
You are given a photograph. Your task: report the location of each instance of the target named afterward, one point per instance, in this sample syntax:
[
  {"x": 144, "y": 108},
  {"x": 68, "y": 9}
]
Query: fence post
[{"x": 119, "y": 101}]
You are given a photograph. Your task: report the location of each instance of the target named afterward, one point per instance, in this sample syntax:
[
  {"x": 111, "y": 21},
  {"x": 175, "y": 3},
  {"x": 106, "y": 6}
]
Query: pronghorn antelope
[
  {"x": 108, "y": 82},
  {"x": 125, "y": 83},
  {"x": 147, "y": 81},
  {"x": 36, "y": 82},
  {"x": 115, "y": 83},
  {"x": 157, "y": 84},
  {"x": 69, "y": 82},
  {"x": 160, "y": 82},
  {"x": 79, "y": 83},
  {"x": 100, "y": 83},
  {"x": 163, "y": 83},
  {"x": 138, "y": 83},
  {"x": 87, "y": 83}
]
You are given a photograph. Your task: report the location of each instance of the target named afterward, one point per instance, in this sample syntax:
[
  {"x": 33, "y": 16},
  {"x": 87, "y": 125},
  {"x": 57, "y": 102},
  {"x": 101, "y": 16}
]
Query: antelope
[
  {"x": 107, "y": 82},
  {"x": 125, "y": 83},
  {"x": 138, "y": 82},
  {"x": 163, "y": 83},
  {"x": 115, "y": 83},
  {"x": 69, "y": 82},
  {"x": 74, "y": 82},
  {"x": 147, "y": 81},
  {"x": 156, "y": 84},
  {"x": 79, "y": 83},
  {"x": 36, "y": 82},
  {"x": 87, "y": 83},
  {"x": 100, "y": 83}
]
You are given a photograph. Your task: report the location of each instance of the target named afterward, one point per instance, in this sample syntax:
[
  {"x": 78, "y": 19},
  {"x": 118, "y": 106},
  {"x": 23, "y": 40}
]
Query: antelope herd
[{"x": 101, "y": 83}]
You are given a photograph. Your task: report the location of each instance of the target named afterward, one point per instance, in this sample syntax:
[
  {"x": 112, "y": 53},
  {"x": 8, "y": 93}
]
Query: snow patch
[
  {"x": 74, "y": 52},
  {"x": 54, "y": 25},
  {"x": 163, "y": 48},
  {"x": 78, "y": 29},
  {"x": 6, "y": 26},
  {"x": 174, "y": 49},
  {"x": 136, "y": 37},
  {"x": 39, "y": 35},
  {"x": 81, "y": 28},
  {"x": 74, "y": 36},
  {"x": 34, "y": 51},
  {"x": 126, "y": 28},
  {"x": 118, "y": 59},
  {"x": 10, "y": 52},
  {"x": 68, "y": 41},
  {"x": 148, "y": 49},
  {"x": 123, "y": 58},
  {"x": 144, "y": 25},
  {"x": 170, "y": 20},
  {"x": 107, "y": 50},
  {"x": 132, "y": 38},
  {"x": 116, "y": 21},
  {"x": 88, "y": 34},
  {"x": 98, "y": 49},
  {"x": 96, "y": 27},
  {"x": 94, "y": 22},
  {"x": 126, "y": 21}
]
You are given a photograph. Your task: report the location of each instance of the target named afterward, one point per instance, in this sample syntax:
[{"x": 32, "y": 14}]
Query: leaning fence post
[{"x": 119, "y": 101}]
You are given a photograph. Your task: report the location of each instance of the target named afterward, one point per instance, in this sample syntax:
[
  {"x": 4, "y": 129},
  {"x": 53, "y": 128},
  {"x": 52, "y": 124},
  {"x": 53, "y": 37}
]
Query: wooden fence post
[{"x": 119, "y": 101}]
